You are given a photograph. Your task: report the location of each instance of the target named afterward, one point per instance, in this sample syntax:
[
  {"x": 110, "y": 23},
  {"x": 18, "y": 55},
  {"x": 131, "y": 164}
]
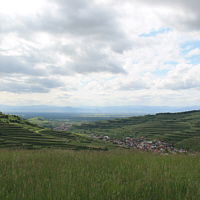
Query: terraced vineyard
[
  {"x": 170, "y": 127},
  {"x": 18, "y": 133},
  {"x": 182, "y": 129}
]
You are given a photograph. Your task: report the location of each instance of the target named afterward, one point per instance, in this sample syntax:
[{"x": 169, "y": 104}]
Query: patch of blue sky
[
  {"x": 170, "y": 63},
  {"x": 154, "y": 33},
  {"x": 111, "y": 78},
  {"x": 161, "y": 73},
  {"x": 189, "y": 45},
  {"x": 186, "y": 48},
  {"x": 194, "y": 59},
  {"x": 85, "y": 83}
]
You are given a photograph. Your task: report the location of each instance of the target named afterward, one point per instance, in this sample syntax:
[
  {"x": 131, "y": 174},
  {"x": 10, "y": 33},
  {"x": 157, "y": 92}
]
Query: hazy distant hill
[
  {"x": 38, "y": 109},
  {"x": 136, "y": 110}
]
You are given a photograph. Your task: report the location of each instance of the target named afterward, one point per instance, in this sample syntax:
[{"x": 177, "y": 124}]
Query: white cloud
[
  {"x": 184, "y": 76},
  {"x": 193, "y": 52},
  {"x": 96, "y": 51}
]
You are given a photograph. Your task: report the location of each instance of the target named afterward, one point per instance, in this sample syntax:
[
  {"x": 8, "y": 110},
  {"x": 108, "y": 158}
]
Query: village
[
  {"x": 62, "y": 127},
  {"x": 142, "y": 144},
  {"x": 137, "y": 143}
]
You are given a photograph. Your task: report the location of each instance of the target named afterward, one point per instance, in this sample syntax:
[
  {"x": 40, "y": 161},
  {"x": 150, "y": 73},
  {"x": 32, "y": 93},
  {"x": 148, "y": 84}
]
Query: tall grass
[{"x": 57, "y": 174}]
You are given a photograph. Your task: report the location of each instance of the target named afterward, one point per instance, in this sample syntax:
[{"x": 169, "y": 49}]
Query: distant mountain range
[{"x": 136, "y": 110}]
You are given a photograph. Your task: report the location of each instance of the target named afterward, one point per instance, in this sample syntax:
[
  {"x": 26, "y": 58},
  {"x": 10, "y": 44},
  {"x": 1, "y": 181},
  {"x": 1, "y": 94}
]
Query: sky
[{"x": 100, "y": 52}]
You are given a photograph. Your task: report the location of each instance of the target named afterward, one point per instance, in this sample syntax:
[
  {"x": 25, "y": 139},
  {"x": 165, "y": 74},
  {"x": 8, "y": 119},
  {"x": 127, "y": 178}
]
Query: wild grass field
[
  {"x": 89, "y": 175},
  {"x": 52, "y": 172}
]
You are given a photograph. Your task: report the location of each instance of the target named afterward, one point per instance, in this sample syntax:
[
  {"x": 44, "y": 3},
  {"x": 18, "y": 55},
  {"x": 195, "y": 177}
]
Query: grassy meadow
[{"x": 116, "y": 174}]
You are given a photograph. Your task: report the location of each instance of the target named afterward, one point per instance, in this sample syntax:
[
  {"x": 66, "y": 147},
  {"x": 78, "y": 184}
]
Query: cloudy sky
[{"x": 100, "y": 52}]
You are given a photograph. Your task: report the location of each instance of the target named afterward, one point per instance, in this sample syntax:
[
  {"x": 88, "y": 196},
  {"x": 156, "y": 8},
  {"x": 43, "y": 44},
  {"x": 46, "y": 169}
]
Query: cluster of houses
[
  {"x": 137, "y": 143},
  {"x": 142, "y": 144},
  {"x": 62, "y": 127}
]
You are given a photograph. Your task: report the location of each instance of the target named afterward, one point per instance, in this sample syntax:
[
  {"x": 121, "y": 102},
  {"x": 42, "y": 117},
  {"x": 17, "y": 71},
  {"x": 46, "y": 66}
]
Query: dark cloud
[
  {"x": 78, "y": 19},
  {"x": 20, "y": 65},
  {"x": 87, "y": 59},
  {"x": 122, "y": 45},
  {"x": 82, "y": 18},
  {"x": 46, "y": 82},
  {"x": 85, "y": 67},
  {"x": 189, "y": 8},
  {"x": 93, "y": 60},
  {"x": 179, "y": 84},
  {"x": 16, "y": 87},
  {"x": 40, "y": 56},
  {"x": 67, "y": 49},
  {"x": 192, "y": 5},
  {"x": 85, "y": 37},
  {"x": 31, "y": 85},
  {"x": 60, "y": 70},
  {"x": 90, "y": 26},
  {"x": 13, "y": 64}
]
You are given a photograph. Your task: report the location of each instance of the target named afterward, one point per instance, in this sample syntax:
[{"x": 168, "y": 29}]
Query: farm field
[{"x": 116, "y": 174}]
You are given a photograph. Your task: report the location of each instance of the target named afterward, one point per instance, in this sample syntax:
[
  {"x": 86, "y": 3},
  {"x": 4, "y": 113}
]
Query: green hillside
[
  {"x": 18, "y": 133},
  {"x": 170, "y": 127},
  {"x": 182, "y": 129},
  {"x": 44, "y": 122},
  {"x": 49, "y": 120}
]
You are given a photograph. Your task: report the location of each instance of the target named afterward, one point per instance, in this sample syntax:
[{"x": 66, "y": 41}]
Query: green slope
[
  {"x": 169, "y": 127},
  {"x": 43, "y": 122},
  {"x": 18, "y": 133},
  {"x": 190, "y": 143}
]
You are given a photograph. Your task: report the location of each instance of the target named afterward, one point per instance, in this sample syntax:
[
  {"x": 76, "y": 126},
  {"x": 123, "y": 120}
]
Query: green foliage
[
  {"x": 192, "y": 144},
  {"x": 168, "y": 127},
  {"x": 182, "y": 129},
  {"x": 44, "y": 122},
  {"x": 90, "y": 175},
  {"x": 49, "y": 120},
  {"x": 18, "y": 133}
]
